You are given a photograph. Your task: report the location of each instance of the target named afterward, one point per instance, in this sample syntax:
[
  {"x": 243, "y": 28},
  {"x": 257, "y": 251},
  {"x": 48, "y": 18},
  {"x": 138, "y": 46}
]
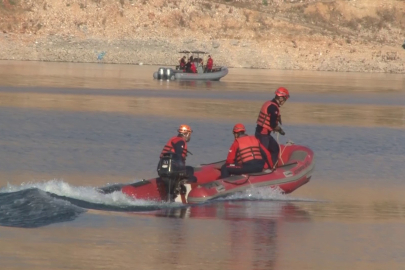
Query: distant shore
[
  {"x": 313, "y": 35},
  {"x": 231, "y": 53}
]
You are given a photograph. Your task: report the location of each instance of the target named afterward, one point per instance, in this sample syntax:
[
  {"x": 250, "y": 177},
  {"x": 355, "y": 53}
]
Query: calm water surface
[{"x": 68, "y": 128}]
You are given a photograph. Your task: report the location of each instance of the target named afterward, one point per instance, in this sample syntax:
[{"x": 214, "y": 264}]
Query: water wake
[
  {"x": 82, "y": 194},
  {"x": 38, "y": 204},
  {"x": 30, "y": 208},
  {"x": 263, "y": 194}
]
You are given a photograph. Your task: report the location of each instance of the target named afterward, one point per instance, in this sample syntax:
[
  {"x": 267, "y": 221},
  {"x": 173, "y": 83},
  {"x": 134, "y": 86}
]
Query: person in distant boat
[
  {"x": 200, "y": 67},
  {"x": 188, "y": 66},
  {"x": 183, "y": 63},
  {"x": 193, "y": 68},
  {"x": 210, "y": 64},
  {"x": 178, "y": 145},
  {"x": 246, "y": 155},
  {"x": 269, "y": 120}
]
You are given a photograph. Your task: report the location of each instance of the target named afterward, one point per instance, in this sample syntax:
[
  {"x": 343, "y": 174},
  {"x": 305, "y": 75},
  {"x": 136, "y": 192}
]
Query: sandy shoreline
[
  {"x": 153, "y": 51},
  {"x": 345, "y": 36}
]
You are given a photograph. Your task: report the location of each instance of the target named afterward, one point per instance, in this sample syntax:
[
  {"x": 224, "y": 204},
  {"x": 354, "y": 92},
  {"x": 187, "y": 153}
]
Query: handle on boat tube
[
  {"x": 247, "y": 179},
  {"x": 288, "y": 164},
  {"x": 236, "y": 183}
]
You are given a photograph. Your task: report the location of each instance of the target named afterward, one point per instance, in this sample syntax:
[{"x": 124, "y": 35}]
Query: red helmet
[
  {"x": 282, "y": 92},
  {"x": 185, "y": 129},
  {"x": 238, "y": 128}
]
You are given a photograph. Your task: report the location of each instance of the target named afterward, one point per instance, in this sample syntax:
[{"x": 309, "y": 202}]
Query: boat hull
[
  {"x": 184, "y": 76},
  {"x": 154, "y": 189},
  {"x": 295, "y": 168}
]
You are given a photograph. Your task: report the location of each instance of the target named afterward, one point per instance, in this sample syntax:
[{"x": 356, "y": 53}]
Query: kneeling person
[{"x": 246, "y": 155}]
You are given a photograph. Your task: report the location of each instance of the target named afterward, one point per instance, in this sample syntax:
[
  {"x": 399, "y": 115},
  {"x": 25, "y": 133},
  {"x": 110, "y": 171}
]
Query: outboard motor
[
  {"x": 161, "y": 73},
  {"x": 169, "y": 74},
  {"x": 171, "y": 169},
  {"x": 165, "y": 74}
]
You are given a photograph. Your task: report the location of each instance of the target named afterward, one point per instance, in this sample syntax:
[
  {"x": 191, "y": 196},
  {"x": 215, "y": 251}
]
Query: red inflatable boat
[{"x": 294, "y": 169}]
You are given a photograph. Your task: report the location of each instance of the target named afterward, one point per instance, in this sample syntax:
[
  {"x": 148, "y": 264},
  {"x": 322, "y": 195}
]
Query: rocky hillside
[{"x": 356, "y": 35}]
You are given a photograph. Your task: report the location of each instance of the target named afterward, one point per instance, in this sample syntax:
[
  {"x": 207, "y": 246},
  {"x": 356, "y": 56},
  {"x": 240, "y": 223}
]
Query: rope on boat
[
  {"x": 289, "y": 142},
  {"x": 279, "y": 149},
  {"x": 238, "y": 184}
]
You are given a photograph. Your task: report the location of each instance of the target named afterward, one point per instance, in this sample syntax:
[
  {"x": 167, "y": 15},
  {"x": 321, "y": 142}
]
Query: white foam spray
[{"x": 84, "y": 193}]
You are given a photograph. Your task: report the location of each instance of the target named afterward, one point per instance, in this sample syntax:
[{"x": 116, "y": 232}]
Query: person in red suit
[
  {"x": 210, "y": 64},
  {"x": 246, "y": 155}
]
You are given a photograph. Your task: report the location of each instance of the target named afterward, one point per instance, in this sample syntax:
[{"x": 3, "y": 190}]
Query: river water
[{"x": 67, "y": 128}]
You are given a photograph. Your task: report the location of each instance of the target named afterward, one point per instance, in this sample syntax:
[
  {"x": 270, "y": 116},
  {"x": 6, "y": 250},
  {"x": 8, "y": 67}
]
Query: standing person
[
  {"x": 183, "y": 63},
  {"x": 200, "y": 66},
  {"x": 246, "y": 155},
  {"x": 269, "y": 120},
  {"x": 188, "y": 66},
  {"x": 210, "y": 64}
]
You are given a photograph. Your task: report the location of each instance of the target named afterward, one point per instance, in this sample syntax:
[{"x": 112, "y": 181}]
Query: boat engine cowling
[
  {"x": 171, "y": 167},
  {"x": 171, "y": 170},
  {"x": 165, "y": 74}
]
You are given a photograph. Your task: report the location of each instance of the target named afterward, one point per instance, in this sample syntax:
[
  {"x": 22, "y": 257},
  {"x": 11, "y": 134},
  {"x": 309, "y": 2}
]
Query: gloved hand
[{"x": 281, "y": 131}]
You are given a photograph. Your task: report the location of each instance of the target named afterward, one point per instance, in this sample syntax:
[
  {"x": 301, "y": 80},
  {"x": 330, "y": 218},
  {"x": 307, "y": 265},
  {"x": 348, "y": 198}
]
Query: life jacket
[
  {"x": 168, "y": 148},
  {"x": 263, "y": 119},
  {"x": 249, "y": 149}
]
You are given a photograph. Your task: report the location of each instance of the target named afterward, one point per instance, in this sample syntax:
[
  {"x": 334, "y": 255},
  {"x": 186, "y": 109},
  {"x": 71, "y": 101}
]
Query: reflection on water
[
  {"x": 236, "y": 110},
  {"x": 393, "y": 99},
  {"x": 15, "y": 73},
  {"x": 241, "y": 210},
  {"x": 233, "y": 238},
  {"x": 84, "y": 131},
  {"x": 317, "y": 97},
  {"x": 231, "y": 235}
]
